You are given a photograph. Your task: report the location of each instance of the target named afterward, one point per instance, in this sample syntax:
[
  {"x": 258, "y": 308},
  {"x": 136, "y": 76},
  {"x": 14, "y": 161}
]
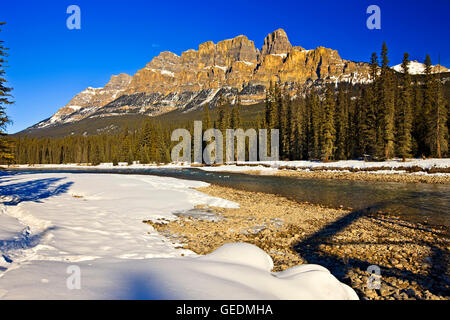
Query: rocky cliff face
[
  {"x": 230, "y": 67},
  {"x": 276, "y": 43},
  {"x": 237, "y": 63}
]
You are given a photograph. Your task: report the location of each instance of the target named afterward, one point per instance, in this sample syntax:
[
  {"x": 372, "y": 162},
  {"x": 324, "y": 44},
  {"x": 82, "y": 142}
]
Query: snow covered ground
[
  {"x": 81, "y": 236},
  {"x": 382, "y": 167},
  {"x": 429, "y": 167}
]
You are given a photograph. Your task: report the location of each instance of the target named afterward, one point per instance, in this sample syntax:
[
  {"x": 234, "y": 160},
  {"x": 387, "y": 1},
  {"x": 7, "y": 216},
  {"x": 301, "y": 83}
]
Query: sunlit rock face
[
  {"x": 236, "y": 63},
  {"x": 276, "y": 43},
  {"x": 229, "y": 67}
]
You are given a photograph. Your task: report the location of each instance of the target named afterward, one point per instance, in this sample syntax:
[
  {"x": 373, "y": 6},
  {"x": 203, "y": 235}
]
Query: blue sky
[{"x": 49, "y": 63}]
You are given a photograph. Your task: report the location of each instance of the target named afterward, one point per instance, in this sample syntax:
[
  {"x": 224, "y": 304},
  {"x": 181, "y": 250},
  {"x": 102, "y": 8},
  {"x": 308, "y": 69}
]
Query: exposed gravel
[
  {"x": 413, "y": 258},
  {"x": 364, "y": 176}
]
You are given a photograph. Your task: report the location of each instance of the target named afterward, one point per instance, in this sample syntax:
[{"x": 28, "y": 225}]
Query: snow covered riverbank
[
  {"x": 54, "y": 223},
  {"x": 412, "y": 166},
  {"x": 417, "y": 166}
]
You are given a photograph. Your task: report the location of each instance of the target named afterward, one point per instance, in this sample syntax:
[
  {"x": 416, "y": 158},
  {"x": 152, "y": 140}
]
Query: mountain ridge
[{"x": 229, "y": 67}]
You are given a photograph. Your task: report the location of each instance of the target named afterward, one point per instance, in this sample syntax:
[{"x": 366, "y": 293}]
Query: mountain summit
[{"x": 276, "y": 43}]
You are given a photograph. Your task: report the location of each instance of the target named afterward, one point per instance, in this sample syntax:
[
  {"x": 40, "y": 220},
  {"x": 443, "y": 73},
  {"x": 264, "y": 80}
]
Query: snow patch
[
  {"x": 221, "y": 67},
  {"x": 162, "y": 71},
  {"x": 248, "y": 63},
  {"x": 415, "y": 67},
  {"x": 283, "y": 55}
]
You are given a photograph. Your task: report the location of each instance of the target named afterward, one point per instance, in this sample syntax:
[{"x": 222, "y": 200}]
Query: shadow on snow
[{"x": 34, "y": 190}]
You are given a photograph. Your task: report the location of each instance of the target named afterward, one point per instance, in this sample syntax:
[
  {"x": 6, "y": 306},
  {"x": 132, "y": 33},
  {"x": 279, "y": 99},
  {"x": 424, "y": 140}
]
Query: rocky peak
[
  {"x": 222, "y": 54},
  {"x": 118, "y": 82},
  {"x": 276, "y": 42},
  {"x": 236, "y": 49},
  {"x": 164, "y": 61}
]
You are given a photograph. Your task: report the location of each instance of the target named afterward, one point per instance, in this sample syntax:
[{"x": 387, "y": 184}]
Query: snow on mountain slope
[
  {"x": 416, "y": 67},
  {"x": 88, "y": 101}
]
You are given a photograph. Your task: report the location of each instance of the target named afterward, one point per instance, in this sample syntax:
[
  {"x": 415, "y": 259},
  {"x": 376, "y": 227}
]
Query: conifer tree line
[
  {"x": 151, "y": 143},
  {"x": 5, "y": 144},
  {"x": 148, "y": 144},
  {"x": 392, "y": 116}
]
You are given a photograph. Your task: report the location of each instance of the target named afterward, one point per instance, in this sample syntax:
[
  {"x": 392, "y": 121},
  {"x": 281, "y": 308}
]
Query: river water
[{"x": 418, "y": 202}]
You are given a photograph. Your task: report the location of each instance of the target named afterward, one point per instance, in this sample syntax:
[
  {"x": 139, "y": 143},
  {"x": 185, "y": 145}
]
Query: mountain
[
  {"x": 88, "y": 101},
  {"x": 416, "y": 67},
  {"x": 185, "y": 83}
]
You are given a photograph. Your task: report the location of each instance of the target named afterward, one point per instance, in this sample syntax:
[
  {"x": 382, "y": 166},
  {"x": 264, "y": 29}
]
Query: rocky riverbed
[
  {"x": 413, "y": 258},
  {"x": 358, "y": 176}
]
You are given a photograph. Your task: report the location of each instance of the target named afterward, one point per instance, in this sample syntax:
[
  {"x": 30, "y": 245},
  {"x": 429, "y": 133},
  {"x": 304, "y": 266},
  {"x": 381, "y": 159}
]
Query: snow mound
[
  {"x": 241, "y": 253},
  {"x": 233, "y": 271},
  {"x": 249, "y": 267},
  {"x": 240, "y": 271}
]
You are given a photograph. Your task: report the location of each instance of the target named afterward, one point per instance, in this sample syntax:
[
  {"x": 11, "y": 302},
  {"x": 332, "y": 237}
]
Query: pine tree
[
  {"x": 419, "y": 121},
  {"x": 428, "y": 65},
  {"x": 295, "y": 132},
  {"x": 145, "y": 142},
  {"x": 235, "y": 114},
  {"x": 267, "y": 106},
  {"x": 124, "y": 145},
  {"x": 96, "y": 155},
  {"x": 438, "y": 129},
  {"x": 354, "y": 146},
  {"x": 287, "y": 125},
  {"x": 387, "y": 102},
  {"x": 314, "y": 126},
  {"x": 328, "y": 129},
  {"x": 341, "y": 118},
  {"x": 374, "y": 67},
  {"x": 273, "y": 105},
  {"x": 299, "y": 130},
  {"x": 279, "y": 110},
  {"x": 368, "y": 123},
  {"x": 223, "y": 115},
  {"x": 428, "y": 105},
  {"x": 374, "y": 110},
  {"x": 206, "y": 121},
  {"x": 404, "y": 139},
  {"x": 6, "y": 155}
]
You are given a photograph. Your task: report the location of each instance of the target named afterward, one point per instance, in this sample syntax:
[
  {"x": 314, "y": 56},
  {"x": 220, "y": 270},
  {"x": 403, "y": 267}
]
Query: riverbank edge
[
  {"x": 353, "y": 176},
  {"x": 431, "y": 171}
]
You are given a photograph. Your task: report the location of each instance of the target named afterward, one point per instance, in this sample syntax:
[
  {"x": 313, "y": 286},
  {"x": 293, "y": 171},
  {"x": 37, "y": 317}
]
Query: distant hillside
[{"x": 115, "y": 124}]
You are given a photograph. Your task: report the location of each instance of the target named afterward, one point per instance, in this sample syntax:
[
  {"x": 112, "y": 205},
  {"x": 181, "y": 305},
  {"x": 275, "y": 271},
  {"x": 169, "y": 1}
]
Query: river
[{"x": 417, "y": 202}]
